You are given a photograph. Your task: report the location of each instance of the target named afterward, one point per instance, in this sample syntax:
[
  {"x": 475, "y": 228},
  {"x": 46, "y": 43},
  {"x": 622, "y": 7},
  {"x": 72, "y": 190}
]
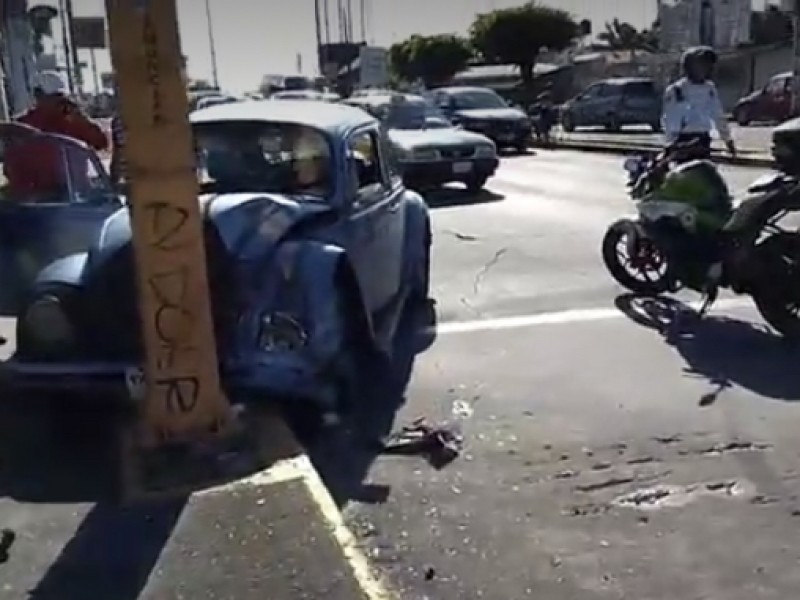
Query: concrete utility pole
[{"x": 184, "y": 399}]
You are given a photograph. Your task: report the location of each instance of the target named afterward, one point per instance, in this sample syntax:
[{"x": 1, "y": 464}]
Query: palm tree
[{"x": 625, "y": 37}]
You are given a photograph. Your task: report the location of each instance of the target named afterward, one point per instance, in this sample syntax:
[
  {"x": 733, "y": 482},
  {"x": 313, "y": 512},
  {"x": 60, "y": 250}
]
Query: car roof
[
  {"x": 334, "y": 119},
  {"x": 626, "y": 80},
  {"x": 387, "y": 98},
  {"x": 463, "y": 88}
]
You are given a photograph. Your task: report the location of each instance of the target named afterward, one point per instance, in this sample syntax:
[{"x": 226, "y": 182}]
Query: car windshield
[
  {"x": 280, "y": 158},
  {"x": 478, "y": 99},
  {"x": 409, "y": 115}
]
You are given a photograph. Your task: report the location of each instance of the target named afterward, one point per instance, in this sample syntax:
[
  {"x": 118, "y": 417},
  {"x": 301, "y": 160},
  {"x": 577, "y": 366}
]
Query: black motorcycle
[{"x": 662, "y": 250}]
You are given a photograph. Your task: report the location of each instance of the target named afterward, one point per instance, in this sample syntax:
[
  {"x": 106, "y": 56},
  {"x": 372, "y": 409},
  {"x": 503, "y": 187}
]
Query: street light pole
[
  {"x": 77, "y": 73},
  {"x": 796, "y": 59},
  {"x": 212, "y": 45}
]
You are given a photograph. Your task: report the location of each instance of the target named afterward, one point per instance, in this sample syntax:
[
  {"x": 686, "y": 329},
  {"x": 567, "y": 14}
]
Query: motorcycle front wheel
[
  {"x": 777, "y": 297},
  {"x": 635, "y": 261}
]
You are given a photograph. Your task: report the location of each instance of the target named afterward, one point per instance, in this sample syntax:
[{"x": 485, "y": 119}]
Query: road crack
[{"x": 476, "y": 286}]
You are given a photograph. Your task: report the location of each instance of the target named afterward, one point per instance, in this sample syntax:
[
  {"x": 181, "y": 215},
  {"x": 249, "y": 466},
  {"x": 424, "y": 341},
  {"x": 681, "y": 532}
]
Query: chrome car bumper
[{"x": 445, "y": 171}]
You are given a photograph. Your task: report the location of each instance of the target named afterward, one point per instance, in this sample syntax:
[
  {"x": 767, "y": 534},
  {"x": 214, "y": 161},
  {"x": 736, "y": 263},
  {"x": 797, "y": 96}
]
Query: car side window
[
  {"x": 777, "y": 86},
  {"x": 364, "y": 150},
  {"x": 390, "y": 159},
  {"x": 591, "y": 92}
]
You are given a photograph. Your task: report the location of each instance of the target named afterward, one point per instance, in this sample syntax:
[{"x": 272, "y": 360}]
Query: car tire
[
  {"x": 612, "y": 124},
  {"x": 476, "y": 184}
]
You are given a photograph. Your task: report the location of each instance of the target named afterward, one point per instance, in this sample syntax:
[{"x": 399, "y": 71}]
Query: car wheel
[
  {"x": 568, "y": 123},
  {"x": 612, "y": 124},
  {"x": 476, "y": 184}
]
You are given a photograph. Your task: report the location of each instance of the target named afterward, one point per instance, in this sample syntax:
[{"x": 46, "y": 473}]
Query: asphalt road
[
  {"x": 600, "y": 461},
  {"x": 754, "y": 138},
  {"x": 590, "y": 468}
]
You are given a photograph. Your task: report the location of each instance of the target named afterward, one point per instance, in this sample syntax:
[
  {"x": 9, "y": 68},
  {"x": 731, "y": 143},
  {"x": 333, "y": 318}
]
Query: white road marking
[{"x": 580, "y": 315}]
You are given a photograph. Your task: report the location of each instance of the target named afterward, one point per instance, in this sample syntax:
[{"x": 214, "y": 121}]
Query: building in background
[{"x": 723, "y": 24}]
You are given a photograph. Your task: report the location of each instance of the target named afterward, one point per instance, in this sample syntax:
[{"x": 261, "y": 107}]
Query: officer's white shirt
[{"x": 693, "y": 108}]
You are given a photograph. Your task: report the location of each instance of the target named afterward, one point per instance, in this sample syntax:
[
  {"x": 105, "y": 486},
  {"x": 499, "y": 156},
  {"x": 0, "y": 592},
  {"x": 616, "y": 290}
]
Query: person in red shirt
[{"x": 37, "y": 167}]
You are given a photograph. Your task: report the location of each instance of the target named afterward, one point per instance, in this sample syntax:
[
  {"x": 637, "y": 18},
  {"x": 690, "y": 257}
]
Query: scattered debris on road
[{"x": 439, "y": 445}]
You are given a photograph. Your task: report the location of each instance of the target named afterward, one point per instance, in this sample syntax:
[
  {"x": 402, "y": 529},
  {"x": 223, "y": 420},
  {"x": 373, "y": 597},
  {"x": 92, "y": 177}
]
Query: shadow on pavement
[
  {"x": 449, "y": 197},
  {"x": 112, "y": 554},
  {"x": 55, "y": 454},
  {"x": 344, "y": 459},
  {"x": 722, "y": 350}
]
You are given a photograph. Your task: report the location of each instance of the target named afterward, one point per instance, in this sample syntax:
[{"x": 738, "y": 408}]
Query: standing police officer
[{"x": 692, "y": 108}]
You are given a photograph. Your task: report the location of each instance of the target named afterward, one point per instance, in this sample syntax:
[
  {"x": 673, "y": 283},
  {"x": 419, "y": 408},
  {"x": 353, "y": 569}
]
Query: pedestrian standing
[{"x": 692, "y": 107}]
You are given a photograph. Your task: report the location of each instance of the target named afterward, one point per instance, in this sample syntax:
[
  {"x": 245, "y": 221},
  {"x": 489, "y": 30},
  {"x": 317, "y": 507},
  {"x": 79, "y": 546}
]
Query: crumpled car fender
[
  {"x": 68, "y": 270},
  {"x": 311, "y": 275},
  {"x": 417, "y": 230}
]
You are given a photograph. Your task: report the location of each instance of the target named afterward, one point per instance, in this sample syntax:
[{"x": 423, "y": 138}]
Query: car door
[
  {"x": 376, "y": 219},
  {"x": 586, "y": 106},
  {"x": 35, "y": 230}
]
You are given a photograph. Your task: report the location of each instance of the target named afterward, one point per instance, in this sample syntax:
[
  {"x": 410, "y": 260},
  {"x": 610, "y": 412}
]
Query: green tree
[
  {"x": 518, "y": 35},
  {"x": 433, "y": 59},
  {"x": 626, "y": 38}
]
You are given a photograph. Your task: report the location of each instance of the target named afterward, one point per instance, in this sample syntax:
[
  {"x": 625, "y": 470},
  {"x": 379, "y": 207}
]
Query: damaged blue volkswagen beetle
[{"x": 314, "y": 250}]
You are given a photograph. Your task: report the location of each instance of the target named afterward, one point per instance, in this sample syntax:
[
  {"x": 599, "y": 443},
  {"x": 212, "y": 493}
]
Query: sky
[{"x": 258, "y": 37}]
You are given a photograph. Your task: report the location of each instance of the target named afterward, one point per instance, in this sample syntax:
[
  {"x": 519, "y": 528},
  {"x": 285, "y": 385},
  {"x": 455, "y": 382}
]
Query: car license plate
[
  {"x": 460, "y": 168},
  {"x": 136, "y": 383}
]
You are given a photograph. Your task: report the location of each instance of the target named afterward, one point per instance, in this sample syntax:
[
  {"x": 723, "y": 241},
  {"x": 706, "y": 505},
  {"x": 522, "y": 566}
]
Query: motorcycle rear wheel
[
  {"x": 635, "y": 272},
  {"x": 779, "y": 305}
]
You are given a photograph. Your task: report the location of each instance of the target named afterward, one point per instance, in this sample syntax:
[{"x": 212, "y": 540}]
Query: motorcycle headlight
[
  {"x": 281, "y": 332},
  {"x": 486, "y": 151},
  {"x": 46, "y": 322}
]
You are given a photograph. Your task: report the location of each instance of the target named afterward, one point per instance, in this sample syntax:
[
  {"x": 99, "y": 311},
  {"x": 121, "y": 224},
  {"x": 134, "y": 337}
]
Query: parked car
[
  {"x": 613, "y": 104},
  {"x": 771, "y": 103},
  {"x": 429, "y": 150},
  {"x": 306, "y": 95},
  {"x": 36, "y": 229},
  {"x": 484, "y": 111},
  {"x": 314, "y": 249},
  {"x": 210, "y": 101}
]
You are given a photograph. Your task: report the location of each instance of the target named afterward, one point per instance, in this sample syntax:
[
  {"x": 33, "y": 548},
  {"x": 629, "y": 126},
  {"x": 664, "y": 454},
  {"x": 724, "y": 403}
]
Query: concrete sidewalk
[
  {"x": 753, "y": 143},
  {"x": 277, "y": 534},
  {"x": 745, "y": 157}
]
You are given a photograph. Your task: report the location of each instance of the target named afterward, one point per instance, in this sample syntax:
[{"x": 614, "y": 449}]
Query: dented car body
[{"x": 314, "y": 249}]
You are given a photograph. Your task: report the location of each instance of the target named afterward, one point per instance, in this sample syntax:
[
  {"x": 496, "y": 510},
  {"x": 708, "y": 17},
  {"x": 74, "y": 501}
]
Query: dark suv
[
  {"x": 614, "y": 103},
  {"x": 484, "y": 111}
]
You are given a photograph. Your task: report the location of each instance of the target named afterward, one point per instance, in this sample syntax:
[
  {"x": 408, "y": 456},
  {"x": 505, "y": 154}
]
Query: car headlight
[
  {"x": 426, "y": 154},
  {"x": 485, "y": 151},
  {"x": 281, "y": 332},
  {"x": 46, "y": 322}
]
